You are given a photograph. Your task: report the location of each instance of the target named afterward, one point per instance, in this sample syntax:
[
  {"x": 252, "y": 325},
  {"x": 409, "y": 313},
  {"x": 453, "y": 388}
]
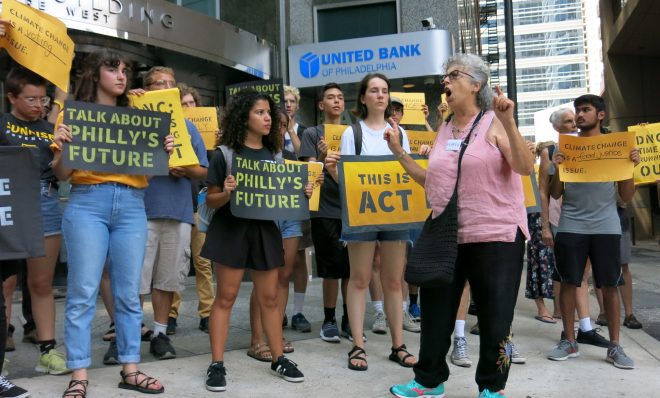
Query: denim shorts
[
  {"x": 380, "y": 236},
  {"x": 50, "y": 209},
  {"x": 290, "y": 228}
]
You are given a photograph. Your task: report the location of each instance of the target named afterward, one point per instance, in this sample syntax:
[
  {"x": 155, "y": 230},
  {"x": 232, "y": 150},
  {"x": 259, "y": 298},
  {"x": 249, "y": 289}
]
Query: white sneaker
[
  {"x": 409, "y": 324},
  {"x": 380, "y": 325},
  {"x": 516, "y": 356},
  {"x": 459, "y": 355}
]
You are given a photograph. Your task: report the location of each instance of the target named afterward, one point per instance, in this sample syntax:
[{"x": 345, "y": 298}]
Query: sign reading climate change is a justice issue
[
  {"x": 647, "y": 140},
  {"x": 21, "y": 231},
  {"x": 332, "y": 136},
  {"x": 378, "y": 195},
  {"x": 269, "y": 190},
  {"x": 116, "y": 140},
  {"x": 274, "y": 88},
  {"x": 39, "y": 42},
  {"x": 401, "y": 55},
  {"x": 169, "y": 101},
  {"x": 603, "y": 158}
]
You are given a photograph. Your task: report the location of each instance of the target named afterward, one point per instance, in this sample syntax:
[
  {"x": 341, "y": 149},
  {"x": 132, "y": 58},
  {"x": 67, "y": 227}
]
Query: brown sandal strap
[
  {"x": 357, "y": 353},
  {"x": 77, "y": 388},
  {"x": 402, "y": 348}
]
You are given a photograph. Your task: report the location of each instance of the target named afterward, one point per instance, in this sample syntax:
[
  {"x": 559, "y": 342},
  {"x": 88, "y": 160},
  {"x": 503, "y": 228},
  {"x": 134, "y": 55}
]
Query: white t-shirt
[{"x": 373, "y": 143}]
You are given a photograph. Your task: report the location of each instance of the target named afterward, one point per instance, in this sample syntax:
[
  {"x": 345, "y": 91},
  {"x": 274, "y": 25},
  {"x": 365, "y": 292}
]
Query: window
[{"x": 361, "y": 20}]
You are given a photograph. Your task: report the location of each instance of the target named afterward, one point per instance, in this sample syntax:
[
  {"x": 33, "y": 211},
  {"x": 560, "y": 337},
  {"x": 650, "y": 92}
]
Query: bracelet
[
  {"x": 59, "y": 103},
  {"x": 401, "y": 156}
]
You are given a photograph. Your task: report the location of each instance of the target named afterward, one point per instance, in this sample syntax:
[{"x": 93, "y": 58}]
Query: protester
[
  {"x": 588, "y": 208},
  {"x": 492, "y": 226},
  {"x": 170, "y": 219},
  {"x": 295, "y": 129},
  {"x": 373, "y": 107},
  {"x": 203, "y": 272},
  {"x": 105, "y": 217},
  {"x": 626, "y": 289},
  {"x": 23, "y": 126},
  {"x": 250, "y": 129}
]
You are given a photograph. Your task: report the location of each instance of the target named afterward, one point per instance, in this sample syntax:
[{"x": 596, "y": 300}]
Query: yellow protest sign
[
  {"x": 531, "y": 191},
  {"x": 313, "y": 171},
  {"x": 647, "y": 140},
  {"x": 418, "y": 138},
  {"x": 332, "y": 136},
  {"x": 169, "y": 101},
  {"x": 377, "y": 194},
  {"x": 39, "y": 42},
  {"x": 412, "y": 107},
  {"x": 602, "y": 158},
  {"x": 443, "y": 100},
  {"x": 206, "y": 121}
]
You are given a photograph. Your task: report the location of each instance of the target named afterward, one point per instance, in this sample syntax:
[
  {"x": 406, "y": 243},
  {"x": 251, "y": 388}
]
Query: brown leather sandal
[
  {"x": 260, "y": 352},
  {"x": 77, "y": 389},
  {"x": 357, "y": 353},
  {"x": 394, "y": 356},
  {"x": 143, "y": 386}
]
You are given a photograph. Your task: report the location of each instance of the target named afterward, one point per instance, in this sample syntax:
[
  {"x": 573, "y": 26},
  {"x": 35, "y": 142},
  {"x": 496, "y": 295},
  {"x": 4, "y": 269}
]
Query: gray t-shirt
[
  {"x": 329, "y": 202},
  {"x": 589, "y": 208}
]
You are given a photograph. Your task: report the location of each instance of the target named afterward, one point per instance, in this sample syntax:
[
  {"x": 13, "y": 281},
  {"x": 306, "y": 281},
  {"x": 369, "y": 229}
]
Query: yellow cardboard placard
[
  {"x": 381, "y": 193},
  {"x": 412, "y": 108},
  {"x": 332, "y": 136},
  {"x": 39, "y": 42},
  {"x": 647, "y": 140},
  {"x": 602, "y": 158},
  {"x": 443, "y": 99},
  {"x": 313, "y": 171},
  {"x": 531, "y": 191},
  {"x": 170, "y": 102},
  {"x": 206, "y": 121},
  {"x": 418, "y": 138}
]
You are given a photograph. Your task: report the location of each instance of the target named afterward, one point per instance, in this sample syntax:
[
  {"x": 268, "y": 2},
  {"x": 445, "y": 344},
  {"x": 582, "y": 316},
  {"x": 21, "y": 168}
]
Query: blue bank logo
[{"x": 309, "y": 65}]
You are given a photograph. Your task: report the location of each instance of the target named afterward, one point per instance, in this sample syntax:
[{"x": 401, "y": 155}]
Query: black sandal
[
  {"x": 77, "y": 388},
  {"x": 142, "y": 386},
  {"x": 394, "y": 356},
  {"x": 359, "y": 354}
]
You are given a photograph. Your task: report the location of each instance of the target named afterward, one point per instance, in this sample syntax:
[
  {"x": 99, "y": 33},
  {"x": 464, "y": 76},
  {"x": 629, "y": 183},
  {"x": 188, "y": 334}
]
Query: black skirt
[{"x": 243, "y": 243}]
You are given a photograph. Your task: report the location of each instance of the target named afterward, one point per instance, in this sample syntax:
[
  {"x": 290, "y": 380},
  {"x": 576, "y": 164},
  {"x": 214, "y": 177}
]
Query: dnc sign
[{"x": 402, "y": 55}]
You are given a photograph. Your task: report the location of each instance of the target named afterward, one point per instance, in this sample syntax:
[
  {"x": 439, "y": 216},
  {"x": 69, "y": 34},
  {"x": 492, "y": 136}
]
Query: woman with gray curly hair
[{"x": 492, "y": 225}]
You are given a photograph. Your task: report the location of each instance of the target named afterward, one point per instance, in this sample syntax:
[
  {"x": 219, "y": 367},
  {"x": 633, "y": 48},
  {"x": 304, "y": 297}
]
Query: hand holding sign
[
  {"x": 323, "y": 149},
  {"x": 634, "y": 156},
  {"x": 230, "y": 184},
  {"x": 4, "y": 25},
  {"x": 62, "y": 134},
  {"x": 503, "y": 106}
]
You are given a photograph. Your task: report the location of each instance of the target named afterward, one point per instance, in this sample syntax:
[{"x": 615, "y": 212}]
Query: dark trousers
[{"x": 494, "y": 270}]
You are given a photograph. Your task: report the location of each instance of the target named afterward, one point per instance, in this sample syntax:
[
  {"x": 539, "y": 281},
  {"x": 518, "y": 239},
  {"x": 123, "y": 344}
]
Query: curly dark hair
[
  {"x": 88, "y": 81},
  {"x": 234, "y": 122}
]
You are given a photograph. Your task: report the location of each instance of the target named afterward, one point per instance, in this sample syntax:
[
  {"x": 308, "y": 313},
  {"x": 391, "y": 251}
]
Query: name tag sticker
[{"x": 453, "y": 145}]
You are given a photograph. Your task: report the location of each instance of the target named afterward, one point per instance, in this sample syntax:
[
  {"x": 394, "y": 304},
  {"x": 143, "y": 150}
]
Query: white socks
[
  {"x": 459, "y": 328},
  {"x": 159, "y": 328},
  {"x": 378, "y": 305},
  {"x": 585, "y": 324},
  {"x": 298, "y": 302}
]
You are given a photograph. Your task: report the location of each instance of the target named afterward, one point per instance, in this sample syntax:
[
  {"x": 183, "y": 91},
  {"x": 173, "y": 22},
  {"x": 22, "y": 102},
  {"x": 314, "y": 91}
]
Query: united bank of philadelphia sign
[
  {"x": 345, "y": 61},
  {"x": 114, "y": 14}
]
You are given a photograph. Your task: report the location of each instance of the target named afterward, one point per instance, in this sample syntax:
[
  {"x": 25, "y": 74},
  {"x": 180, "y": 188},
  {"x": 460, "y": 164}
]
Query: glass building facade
[{"x": 551, "y": 55}]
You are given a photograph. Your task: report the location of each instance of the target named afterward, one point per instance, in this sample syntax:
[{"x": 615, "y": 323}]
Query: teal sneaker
[
  {"x": 415, "y": 390},
  {"x": 486, "y": 393}
]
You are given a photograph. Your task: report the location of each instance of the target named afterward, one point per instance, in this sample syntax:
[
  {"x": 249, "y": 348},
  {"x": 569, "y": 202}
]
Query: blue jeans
[{"x": 103, "y": 220}]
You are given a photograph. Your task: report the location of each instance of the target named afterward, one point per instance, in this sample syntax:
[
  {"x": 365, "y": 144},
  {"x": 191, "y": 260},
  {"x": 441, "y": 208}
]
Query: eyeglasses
[
  {"x": 33, "y": 101},
  {"x": 454, "y": 75},
  {"x": 163, "y": 83},
  {"x": 397, "y": 110}
]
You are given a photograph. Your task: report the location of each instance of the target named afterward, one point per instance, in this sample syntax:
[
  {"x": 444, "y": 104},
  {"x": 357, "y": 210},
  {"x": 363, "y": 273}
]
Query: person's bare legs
[
  {"x": 568, "y": 302},
  {"x": 556, "y": 302},
  {"x": 581, "y": 301},
  {"x": 626, "y": 290},
  {"x": 265, "y": 289},
  {"x": 228, "y": 282},
  {"x": 612, "y": 312},
  {"x": 361, "y": 256},
  {"x": 40, "y": 272}
]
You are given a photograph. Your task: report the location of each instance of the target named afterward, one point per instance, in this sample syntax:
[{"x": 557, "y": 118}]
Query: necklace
[{"x": 460, "y": 133}]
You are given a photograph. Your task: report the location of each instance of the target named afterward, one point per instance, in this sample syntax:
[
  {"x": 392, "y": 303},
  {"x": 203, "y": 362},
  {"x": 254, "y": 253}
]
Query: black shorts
[
  {"x": 331, "y": 254},
  {"x": 573, "y": 250},
  {"x": 243, "y": 243}
]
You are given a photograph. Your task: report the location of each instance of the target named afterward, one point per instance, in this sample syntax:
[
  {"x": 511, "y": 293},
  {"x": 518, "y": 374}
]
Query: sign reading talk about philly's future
[
  {"x": 115, "y": 139},
  {"x": 269, "y": 190},
  {"x": 274, "y": 88},
  {"x": 345, "y": 61}
]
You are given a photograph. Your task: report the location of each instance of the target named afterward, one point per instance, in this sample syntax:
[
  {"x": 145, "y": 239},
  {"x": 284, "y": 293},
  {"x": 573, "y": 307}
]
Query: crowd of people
[{"x": 129, "y": 236}]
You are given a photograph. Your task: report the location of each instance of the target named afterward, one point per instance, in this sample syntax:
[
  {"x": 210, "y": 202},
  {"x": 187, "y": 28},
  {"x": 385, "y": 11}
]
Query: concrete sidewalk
[{"x": 324, "y": 364}]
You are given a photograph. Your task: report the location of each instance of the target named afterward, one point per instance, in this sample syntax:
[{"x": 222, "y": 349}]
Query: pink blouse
[{"x": 491, "y": 205}]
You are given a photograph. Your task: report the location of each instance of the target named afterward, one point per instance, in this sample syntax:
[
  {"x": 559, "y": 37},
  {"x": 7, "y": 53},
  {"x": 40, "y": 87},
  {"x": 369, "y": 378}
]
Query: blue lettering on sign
[
  {"x": 309, "y": 65},
  {"x": 409, "y": 50}
]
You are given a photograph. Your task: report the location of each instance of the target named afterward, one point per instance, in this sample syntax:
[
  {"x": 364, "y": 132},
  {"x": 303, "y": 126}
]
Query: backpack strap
[
  {"x": 228, "y": 154},
  {"x": 357, "y": 137},
  {"x": 551, "y": 151}
]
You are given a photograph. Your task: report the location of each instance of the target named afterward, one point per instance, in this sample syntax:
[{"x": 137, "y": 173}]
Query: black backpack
[{"x": 357, "y": 137}]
